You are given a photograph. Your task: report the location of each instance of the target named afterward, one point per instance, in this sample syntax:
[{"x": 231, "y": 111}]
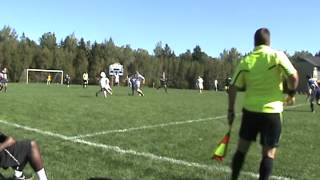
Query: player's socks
[
  {"x": 42, "y": 174},
  {"x": 140, "y": 92},
  {"x": 18, "y": 173},
  {"x": 265, "y": 168},
  {"x": 237, "y": 162}
]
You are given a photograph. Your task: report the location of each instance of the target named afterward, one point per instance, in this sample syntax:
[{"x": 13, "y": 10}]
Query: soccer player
[
  {"x": 85, "y": 78},
  {"x": 260, "y": 74},
  {"x": 311, "y": 81},
  {"x": 67, "y": 80},
  {"x": 199, "y": 84},
  {"x": 216, "y": 85},
  {"x": 104, "y": 85},
  {"x": 49, "y": 79},
  {"x": 116, "y": 79},
  {"x": 227, "y": 83},
  {"x": 163, "y": 82},
  {"x": 137, "y": 83},
  {"x": 4, "y": 79},
  {"x": 131, "y": 83},
  {"x": 313, "y": 92},
  {"x": 16, "y": 154}
]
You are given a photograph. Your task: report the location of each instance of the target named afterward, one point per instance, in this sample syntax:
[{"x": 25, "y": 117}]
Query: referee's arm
[
  {"x": 292, "y": 83},
  {"x": 232, "y": 94}
]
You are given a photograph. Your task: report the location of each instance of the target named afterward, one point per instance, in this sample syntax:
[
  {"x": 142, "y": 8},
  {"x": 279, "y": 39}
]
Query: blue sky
[{"x": 182, "y": 24}]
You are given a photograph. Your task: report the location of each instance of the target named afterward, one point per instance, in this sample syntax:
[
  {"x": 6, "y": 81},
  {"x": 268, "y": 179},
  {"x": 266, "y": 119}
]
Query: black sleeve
[{"x": 2, "y": 137}]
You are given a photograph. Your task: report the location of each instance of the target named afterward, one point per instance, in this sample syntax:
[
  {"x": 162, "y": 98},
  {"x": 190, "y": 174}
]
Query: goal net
[{"x": 41, "y": 76}]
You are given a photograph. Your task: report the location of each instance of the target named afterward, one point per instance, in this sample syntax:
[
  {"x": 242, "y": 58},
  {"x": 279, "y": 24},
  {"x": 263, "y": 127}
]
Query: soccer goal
[{"x": 41, "y": 75}]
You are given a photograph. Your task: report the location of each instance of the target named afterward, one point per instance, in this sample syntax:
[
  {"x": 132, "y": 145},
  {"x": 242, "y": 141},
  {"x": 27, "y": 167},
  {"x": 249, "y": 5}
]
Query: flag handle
[{"x": 230, "y": 128}]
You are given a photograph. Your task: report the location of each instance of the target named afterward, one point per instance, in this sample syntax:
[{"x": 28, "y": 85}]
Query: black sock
[
  {"x": 237, "y": 162},
  {"x": 311, "y": 106},
  {"x": 265, "y": 168}
]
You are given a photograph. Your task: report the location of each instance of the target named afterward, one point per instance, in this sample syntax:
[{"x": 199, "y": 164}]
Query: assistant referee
[{"x": 260, "y": 74}]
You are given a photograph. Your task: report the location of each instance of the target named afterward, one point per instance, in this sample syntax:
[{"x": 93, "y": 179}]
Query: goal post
[{"x": 44, "y": 70}]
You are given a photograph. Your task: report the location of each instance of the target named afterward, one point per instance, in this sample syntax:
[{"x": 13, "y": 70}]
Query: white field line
[
  {"x": 151, "y": 156},
  {"x": 145, "y": 127},
  {"x": 158, "y": 125}
]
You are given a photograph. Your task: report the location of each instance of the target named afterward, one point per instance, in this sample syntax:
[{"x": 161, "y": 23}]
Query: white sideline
[
  {"x": 158, "y": 125},
  {"x": 132, "y": 152},
  {"x": 145, "y": 127}
]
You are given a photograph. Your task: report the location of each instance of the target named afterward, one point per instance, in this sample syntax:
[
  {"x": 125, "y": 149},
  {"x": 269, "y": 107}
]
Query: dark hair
[
  {"x": 262, "y": 37},
  {"x": 308, "y": 77}
]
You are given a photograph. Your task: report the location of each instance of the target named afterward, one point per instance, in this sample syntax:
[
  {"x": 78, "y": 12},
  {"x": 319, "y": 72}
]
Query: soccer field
[{"x": 158, "y": 136}]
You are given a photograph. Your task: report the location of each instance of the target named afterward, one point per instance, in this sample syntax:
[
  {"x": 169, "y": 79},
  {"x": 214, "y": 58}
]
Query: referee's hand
[{"x": 231, "y": 117}]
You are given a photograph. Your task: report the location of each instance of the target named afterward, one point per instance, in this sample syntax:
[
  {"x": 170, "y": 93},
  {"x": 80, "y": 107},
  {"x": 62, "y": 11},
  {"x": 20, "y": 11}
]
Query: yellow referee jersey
[{"x": 261, "y": 74}]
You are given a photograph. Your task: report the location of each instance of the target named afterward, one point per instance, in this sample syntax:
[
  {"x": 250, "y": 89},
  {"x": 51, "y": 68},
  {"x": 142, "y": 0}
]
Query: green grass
[{"x": 136, "y": 154}]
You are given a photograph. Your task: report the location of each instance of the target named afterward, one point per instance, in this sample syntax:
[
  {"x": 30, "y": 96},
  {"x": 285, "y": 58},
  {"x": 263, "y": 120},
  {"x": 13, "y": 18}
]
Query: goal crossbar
[{"x": 45, "y": 70}]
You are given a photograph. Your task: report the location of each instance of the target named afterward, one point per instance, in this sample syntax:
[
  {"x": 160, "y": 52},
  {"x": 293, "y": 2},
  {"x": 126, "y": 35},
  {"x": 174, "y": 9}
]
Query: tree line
[{"x": 76, "y": 56}]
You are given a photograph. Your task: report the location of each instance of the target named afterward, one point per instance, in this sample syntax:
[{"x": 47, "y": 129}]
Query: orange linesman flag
[{"x": 221, "y": 150}]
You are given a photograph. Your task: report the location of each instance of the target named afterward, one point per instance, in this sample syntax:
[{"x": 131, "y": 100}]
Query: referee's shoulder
[
  {"x": 279, "y": 53},
  {"x": 246, "y": 58}
]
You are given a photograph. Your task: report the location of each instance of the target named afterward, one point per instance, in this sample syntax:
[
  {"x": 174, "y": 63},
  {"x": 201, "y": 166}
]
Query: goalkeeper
[
  {"x": 16, "y": 154},
  {"x": 260, "y": 74}
]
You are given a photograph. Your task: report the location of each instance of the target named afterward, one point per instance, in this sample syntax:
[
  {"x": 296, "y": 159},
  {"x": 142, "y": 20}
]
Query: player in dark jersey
[
  {"x": 67, "y": 80},
  {"x": 16, "y": 154},
  {"x": 163, "y": 82},
  {"x": 313, "y": 92}
]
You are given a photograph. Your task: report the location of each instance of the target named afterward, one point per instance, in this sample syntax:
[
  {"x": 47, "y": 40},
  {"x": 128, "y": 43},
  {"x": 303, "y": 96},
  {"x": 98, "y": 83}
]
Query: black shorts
[
  {"x": 20, "y": 151},
  {"x": 163, "y": 83},
  {"x": 267, "y": 124}
]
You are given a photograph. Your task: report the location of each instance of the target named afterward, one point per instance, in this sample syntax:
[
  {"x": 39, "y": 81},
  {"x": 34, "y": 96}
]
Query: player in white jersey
[
  {"x": 104, "y": 85},
  {"x": 200, "y": 84},
  {"x": 4, "y": 79},
  {"x": 216, "y": 85},
  {"x": 116, "y": 79},
  {"x": 85, "y": 78},
  {"x": 137, "y": 83}
]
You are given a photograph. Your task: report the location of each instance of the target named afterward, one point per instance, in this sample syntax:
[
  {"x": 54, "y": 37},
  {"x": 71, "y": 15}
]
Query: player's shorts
[
  {"x": 267, "y": 124},
  {"x": 3, "y": 81},
  {"x": 137, "y": 85},
  {"x": 163, "y": 83},
  {"x": 20, "y": 151},
  {"x": 85, "y": 81}
]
